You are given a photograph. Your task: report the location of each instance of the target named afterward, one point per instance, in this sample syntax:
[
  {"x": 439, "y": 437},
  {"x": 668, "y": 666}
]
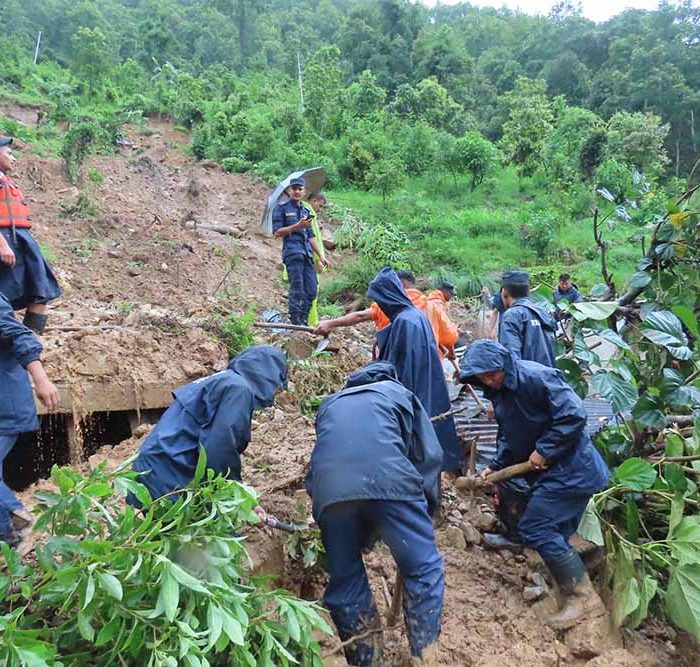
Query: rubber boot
[
  {"x": 428, "y": 657},
  {"x": 497, "y": 542},
  {"x": 35, "y": 321},
  {"x": 581, "y": 600}
]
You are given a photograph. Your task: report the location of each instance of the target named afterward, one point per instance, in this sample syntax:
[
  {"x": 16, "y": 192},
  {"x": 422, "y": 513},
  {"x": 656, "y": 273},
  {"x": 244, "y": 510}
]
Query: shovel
[{"x": 322, "y": 345}]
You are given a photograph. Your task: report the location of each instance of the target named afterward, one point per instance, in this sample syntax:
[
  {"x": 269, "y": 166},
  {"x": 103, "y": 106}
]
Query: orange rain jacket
[
  {"x": 444, "y": 330},
  {"x": 13, "y": 208}
]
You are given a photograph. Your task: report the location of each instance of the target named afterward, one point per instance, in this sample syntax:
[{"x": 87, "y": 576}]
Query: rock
[
  {"x": 455, "y": 538},
  {"x": 471, "y": 534},
  {"x": 592, "y": 638},
  {"x": 163, "y": 267},
  {"x": 481, "y": 519},
  {"x": 133, "y": 271},
  {"x": 618, "y": 657},
  {"x": 538, "y": 580},
  {"x": 278, "y": 415},
  {"x": 114, "y": 254},
  {"x": 533, "y": 593}
]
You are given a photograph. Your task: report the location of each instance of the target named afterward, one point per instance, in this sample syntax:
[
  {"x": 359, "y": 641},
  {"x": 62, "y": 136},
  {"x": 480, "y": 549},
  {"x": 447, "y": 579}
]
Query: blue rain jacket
[
  {"x": 409, "y": 344},
  {"x": 213, "y": 413},
  {"x": 374, "y": 441},
  {"x": 527, "y": 330},
  {"x": 297, "y": 243},
  {"x": 572, "y": 295},
  {"x": 18, "y": 348},
  {"x": 536, "y": 409}
]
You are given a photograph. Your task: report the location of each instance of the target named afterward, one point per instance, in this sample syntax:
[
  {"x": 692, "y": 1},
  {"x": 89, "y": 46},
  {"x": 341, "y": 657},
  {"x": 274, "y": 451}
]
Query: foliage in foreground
[
  {"x": 170, "y": 587},
  {"x": 650, "y": 513}
]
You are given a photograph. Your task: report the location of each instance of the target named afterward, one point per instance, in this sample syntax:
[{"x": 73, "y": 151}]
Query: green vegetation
[
  {"x": 169, "y": 587},
  {"x": 237, "y": 332}
]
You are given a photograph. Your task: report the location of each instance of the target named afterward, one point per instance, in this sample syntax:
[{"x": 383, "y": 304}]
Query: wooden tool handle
[
  {"x": 282, "y": 325},
  {"x": 511, "y": 471}
]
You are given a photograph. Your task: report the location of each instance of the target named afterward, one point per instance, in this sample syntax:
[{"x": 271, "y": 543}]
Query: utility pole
[
  {"x": 36, "y": 51},
  {"x": 301, "y": 83}
]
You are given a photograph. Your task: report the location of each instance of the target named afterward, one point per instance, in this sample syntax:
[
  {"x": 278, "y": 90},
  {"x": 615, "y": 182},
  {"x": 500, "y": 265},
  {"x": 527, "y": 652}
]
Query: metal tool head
[{"x": 322, "y": 345}]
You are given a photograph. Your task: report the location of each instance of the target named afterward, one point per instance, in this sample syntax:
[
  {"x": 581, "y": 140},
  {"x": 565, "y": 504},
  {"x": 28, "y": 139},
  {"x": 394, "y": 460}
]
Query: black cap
[
  {"x": 515, "y": 278},
  {"x": 297, "y": 181},
  {"x": 6, "y": 141},
  {"x": 445, "y": 286}
]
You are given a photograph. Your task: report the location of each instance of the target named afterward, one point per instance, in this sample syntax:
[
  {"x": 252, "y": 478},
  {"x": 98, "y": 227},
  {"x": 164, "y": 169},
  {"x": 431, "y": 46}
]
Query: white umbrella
[{"x": 315, "y": 179}]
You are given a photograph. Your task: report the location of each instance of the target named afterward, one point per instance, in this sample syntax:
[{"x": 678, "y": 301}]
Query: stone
[
  {"x": 533, "y": 593},
  {"x": 538, "y": 580},
  {"x": 163, "y": 267},
  {"x": 133, "y": 271},
  {"x": 278, "y": 415},
  {"x": 455, "y": 538},
  {"x": 471, "y": 534},
  {"x": 593, "y": 637},
  {"x": 618, "y": 657}
]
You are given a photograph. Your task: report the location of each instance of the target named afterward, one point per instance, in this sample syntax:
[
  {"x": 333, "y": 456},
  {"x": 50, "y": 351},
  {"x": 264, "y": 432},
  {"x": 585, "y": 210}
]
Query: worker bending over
[
  {"x": 442, "y": 295},
  {"x": 374, "y": 474},
  {"x": 444, "y": 331},
  {"x": 26, "y": 278},
  {"x": 20, "y": 352},
  {"x": 541, "y": 419},
  {"x": 213, "y": 413},
  {"x": 409, "y": 344},
  {"x": 525, "y": 329}
]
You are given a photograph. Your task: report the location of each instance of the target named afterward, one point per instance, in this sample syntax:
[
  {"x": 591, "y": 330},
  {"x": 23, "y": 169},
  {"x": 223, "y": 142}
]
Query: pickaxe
[
  {"x": 322, "y": 345},
  {"x": 472, "y": 482}
]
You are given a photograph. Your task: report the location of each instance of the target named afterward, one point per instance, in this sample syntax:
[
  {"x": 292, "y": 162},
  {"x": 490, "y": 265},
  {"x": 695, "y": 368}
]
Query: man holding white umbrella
[{"x": 291, "y": 221}]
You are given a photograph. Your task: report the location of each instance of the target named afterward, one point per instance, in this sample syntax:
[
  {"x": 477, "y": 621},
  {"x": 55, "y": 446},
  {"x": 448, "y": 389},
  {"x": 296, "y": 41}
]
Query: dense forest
[{"x": 389, "y": 96}]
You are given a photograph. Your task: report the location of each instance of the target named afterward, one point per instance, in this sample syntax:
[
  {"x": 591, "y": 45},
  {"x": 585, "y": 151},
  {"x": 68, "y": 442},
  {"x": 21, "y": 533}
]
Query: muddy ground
[{"x": 140, "y": 290}]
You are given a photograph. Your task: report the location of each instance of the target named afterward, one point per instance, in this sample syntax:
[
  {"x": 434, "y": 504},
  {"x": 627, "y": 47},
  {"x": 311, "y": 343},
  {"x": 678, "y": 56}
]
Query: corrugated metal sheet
[{"x": 599, "y": 412}]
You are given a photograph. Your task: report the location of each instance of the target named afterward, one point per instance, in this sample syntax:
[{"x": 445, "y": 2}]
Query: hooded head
[
  {"x": 377, "y": 371},
  {"x": 264, "y": 368},
  {"x": 386, "y": 289},
  {"x": 487, "y": 356}
]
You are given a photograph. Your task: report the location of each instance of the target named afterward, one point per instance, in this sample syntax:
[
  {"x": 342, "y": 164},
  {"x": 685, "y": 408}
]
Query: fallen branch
[
  {"x": 219, "y": 229},
  {"x": 673, "y": 459},
  {"x": 357, "y": 638},
  {"x": 454, "y": 411}
]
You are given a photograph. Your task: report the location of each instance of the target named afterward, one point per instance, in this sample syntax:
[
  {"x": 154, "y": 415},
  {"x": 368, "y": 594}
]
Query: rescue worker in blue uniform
[
  {"x": 291, "y": 222},
  {"x": 374, "y": 473},
  {"x": 20, "y": 352},
  {"x": 566, "y": 290},
  {"x": 541, "y": 419},
  {"x": 409, "y": 344},
  {"x": 525, "y": 329},
  {"x": 213, "y": 413}
]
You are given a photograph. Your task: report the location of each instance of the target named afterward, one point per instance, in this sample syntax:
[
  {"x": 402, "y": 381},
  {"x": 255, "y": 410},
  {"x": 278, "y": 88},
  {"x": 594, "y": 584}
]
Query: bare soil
[{"x": 152, "y": 284}]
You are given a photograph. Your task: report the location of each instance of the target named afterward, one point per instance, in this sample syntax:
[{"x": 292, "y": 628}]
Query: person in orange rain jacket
[
  {"x": 444, "y": 330},
  {"x": 442, "y": 296}
]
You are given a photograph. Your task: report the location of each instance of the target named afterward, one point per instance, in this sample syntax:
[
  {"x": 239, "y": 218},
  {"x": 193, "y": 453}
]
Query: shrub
[{"x": 237, "y": 332}]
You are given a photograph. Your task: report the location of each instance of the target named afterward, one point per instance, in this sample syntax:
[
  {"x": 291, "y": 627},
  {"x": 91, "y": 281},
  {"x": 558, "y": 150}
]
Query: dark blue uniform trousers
[
  {"x": 8, "y": 500},
  {"x": 303, "y": 285},
  {"x": 550, "y": 519},
  {"x": 406, "y": 528}
]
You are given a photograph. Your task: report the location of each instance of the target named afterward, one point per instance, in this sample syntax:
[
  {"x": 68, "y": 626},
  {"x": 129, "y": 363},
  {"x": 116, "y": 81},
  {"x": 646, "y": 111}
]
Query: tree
[
  {"x": 573, "y": 128},
  {"x": 528, "y": 126},
  {"x": 385, "y": 176},
  {"x": 472, "y": 154},
  {"x": 638, "y": 139},
  {"x": 322, "y": 77},
  {"x": 91, "y": 58},
  {"x": 364, "y": 97}
]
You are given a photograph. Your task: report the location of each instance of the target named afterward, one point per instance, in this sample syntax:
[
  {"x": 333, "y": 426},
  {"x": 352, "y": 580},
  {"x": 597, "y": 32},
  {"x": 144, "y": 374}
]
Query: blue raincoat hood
[
  {"x": 485, "y": 356},
  {"x": 377, "y": 371},
  {"x": 386, "y": 289},
  {"x": 264, "y": 368}
]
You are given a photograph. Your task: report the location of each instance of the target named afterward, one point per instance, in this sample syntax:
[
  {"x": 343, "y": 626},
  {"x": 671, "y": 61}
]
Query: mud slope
[{"x": 139, "y": 289}]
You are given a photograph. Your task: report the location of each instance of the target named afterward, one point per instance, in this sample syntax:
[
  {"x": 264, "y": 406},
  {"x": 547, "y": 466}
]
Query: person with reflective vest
[{"x": 26, "y": 279}]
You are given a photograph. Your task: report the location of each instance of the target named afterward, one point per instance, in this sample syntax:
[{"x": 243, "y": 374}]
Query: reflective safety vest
[{"x": 13, "y": 208}]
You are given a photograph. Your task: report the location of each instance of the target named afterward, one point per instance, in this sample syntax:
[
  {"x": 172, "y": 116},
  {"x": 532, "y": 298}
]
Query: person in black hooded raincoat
[
  {"x": 409, "y": 344},
  {"x": 526, "y": 329},
  {"x": 213, "y": 413},
  {"x": 374, "y": 471},
  {"x": 541, "y": 419}
]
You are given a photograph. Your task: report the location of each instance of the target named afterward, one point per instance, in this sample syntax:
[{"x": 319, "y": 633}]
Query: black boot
[
  {"x": 35, "y": 321},
  {"x": 580, "y": 598}
]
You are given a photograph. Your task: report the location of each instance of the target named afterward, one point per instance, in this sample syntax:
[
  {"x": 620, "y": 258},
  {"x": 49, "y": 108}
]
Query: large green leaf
[
  {"x": 619, "y": 392},
  {"x": 665, "y": 329},
  {"x": 593, "y": 310},
  {"x": 574, "y": 375},
  {"x": 583, "y": 353},
  {"x": 683, "y": 598},
  {"x": 685, "y": 541},
  {"x": 649, "y": 411},
  {"x": 687, "y": 316},
  {"x": 648, "y": 587},
  {"x": 625, "y": 586},
  {"x": 589, "y": 526},
  {"x": 614, "y": 338},
  {"x": 639, "y": 279},
  {"x": 636, "y": 474}
]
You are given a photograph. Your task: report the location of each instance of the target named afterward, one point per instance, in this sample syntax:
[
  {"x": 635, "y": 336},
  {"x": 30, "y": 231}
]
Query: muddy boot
[
  {"x": 581, "y": 600},
  {"x": 428, "y": 657},
  {"x": 35, "y": 321},
  {"x": 497, "y": 542}
]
